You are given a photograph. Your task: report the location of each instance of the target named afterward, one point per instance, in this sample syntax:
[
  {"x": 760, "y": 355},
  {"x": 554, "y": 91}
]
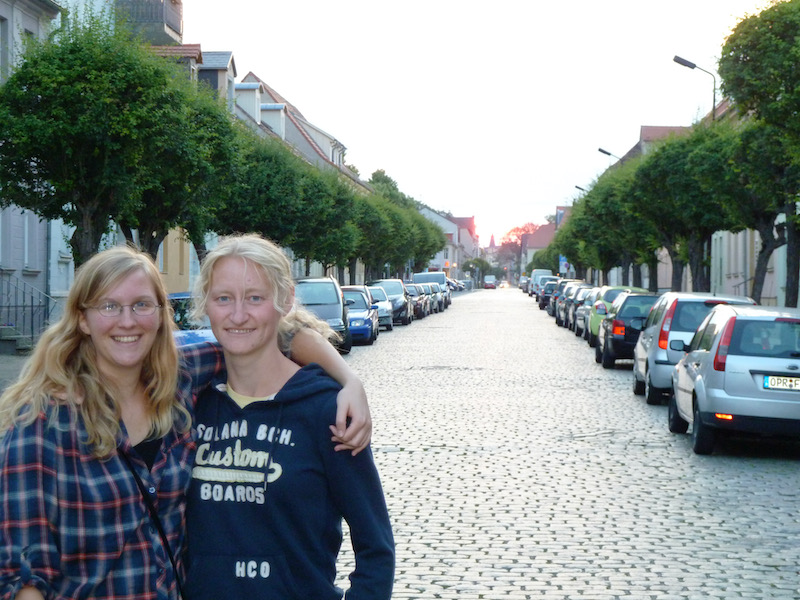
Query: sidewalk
[{"x": 10, "y": 367}]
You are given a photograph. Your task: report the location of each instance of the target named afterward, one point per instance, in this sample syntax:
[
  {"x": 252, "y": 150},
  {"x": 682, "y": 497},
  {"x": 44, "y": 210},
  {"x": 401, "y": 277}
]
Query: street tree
[
  {"x": 78, "y": 117},
  {"x": 759, "y": 72}
]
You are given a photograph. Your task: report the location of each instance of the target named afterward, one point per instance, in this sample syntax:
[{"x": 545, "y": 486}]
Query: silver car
[
  {"x": 741, "y": 372},
  {"x": 675, "y": 316}
]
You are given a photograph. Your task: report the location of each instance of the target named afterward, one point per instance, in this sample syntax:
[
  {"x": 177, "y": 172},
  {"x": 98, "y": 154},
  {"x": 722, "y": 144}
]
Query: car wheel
[
  {"x": 389, "y": 327},
  {"x": 703, "y": 436},
  {"x": 598, "y": 354},
  {"x": 347, "y": 344},
  {"x": 585, "y": 332},
  {"x": 638, "y": 386},
  {"x": 592, "y": 340},
  {"x": 578, "y": 330},
  {"x": 653, "y": 395},
  {"x": 608, "y": 358},
  {"x": 675, "y": 422}
]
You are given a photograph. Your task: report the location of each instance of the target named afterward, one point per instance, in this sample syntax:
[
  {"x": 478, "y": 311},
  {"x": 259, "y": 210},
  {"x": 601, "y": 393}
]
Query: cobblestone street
[{"x": 516, "y": 467}]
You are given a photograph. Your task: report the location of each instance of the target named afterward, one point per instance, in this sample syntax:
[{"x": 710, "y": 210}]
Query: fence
[{"x": 24, "y": 313}]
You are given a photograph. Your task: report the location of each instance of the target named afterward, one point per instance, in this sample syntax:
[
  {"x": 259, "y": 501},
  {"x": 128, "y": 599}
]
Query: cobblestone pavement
[{"x": 516, "y": 467}]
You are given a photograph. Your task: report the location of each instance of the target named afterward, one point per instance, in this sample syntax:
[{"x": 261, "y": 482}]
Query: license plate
[{"x": 771, "y": 382}]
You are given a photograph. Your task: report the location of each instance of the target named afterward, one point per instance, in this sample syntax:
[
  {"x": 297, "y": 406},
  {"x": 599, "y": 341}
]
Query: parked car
[
  {"x": 188, "y": 332},
  {"x": 535, "y": 287},
  {"x": 362, "y": 313},
  {"x": 432, "y": 299},
  {"x": 438, "y": 296},
  {"x": 608, "y": 294},
  {"x": 620, "y": 328},
  {"x": 438, "y": 277},
  {"x": 582, "y": 310},
  {"x": 384, "y": 306},
  {"x": 560, "y": 285},
  {"x": 536, "y": 278},
  {"x": 323, "y": 297},
  {"x": 490, "y": 282},
  {"x": 420, "y": 300},
  {"x": 523, "y": 283},
  {"x": 575, "y": 303},
  {"x": 565, "y": 300},
  {"x": 675, "y": 316},
  {"x": 740, "y": 373},
  {"x": 545, "y": 294},
  {"x": 402, "y": 310}
]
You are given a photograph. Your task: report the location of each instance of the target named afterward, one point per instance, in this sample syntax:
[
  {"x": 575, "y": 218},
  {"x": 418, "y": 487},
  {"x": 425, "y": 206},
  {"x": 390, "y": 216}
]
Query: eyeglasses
[{"x": 143, "y": 308}]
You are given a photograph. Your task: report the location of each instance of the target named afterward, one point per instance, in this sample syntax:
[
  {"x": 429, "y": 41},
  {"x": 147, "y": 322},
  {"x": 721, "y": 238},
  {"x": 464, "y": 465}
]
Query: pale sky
[{"x": 486, "y": 109}]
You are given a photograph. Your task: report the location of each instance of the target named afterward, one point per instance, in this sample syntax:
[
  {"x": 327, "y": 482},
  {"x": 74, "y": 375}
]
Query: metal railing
[{"x": 24, "y": 311}]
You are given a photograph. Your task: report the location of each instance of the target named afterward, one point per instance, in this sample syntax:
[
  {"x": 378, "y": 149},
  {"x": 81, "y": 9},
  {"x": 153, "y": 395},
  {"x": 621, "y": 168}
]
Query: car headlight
[
  {"x": 356, "y": 322},
  {"x": 335, "y": 322}
]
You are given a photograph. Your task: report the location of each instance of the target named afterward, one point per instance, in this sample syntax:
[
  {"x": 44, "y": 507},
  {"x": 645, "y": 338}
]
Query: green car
[{"x": 604, "y": 299}]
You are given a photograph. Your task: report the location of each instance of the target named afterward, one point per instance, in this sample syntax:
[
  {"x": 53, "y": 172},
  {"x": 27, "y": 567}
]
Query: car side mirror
[
  {"x": 679, "y": 345},
  {"x": 349, "y": 301}
]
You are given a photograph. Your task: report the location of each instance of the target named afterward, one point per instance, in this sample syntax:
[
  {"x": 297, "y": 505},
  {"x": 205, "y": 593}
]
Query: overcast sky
[{"x": 486, "y": 109}]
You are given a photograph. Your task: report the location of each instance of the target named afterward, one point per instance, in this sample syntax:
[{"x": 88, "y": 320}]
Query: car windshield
[
  {"x": 549, "y": 287},
  {"x": 359, "y": 302},
  {"x": 316, "y": 292},
  {"x": 379, "y": 294},
  {"x": 779, "y": 338},
  {"x": 412, "y": 290}
]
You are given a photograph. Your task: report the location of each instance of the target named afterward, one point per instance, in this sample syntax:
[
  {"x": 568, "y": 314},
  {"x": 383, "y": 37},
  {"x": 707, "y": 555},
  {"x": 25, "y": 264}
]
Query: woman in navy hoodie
[{"x": 268, "y": 491}]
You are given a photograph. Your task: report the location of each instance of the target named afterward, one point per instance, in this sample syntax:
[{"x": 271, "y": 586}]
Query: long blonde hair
[
  {"x": 277, "y": 271},
  {"x": 63, "y": 365}
]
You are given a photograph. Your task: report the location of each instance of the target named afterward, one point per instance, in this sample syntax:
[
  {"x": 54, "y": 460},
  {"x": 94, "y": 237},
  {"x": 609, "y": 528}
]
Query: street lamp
[
  {"x": 607, "y": 153},
  {"x": 580, "y": 188},
  {"x": 690, "y": 65}
]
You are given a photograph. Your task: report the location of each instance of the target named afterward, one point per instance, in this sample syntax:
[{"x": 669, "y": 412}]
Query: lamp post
[
  {"x": 607, "y": 153},
  {"x": 580, "y": 188},
  {"x": 690, "y": 65}
]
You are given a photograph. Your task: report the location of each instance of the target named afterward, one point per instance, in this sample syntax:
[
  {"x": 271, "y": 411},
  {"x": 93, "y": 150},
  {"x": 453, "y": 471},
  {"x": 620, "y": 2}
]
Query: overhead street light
[
  {"x": 607, "y": 153},
  {"x": 580, "y": 188},
  {"x": 690, "y": 65}
]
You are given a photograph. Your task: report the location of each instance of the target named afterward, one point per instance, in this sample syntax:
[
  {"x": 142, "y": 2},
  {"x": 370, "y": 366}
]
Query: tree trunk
[
  {"x": 769, "y": 243},
  {"x": 792, "y": 255},
  {"x": 697, "y": 260},
  {"x": 637, "y": 275},
  {"x": 677, "y": 270},
  {"x": 353, "y": 266},
  {"x": 652, "y": 268}
]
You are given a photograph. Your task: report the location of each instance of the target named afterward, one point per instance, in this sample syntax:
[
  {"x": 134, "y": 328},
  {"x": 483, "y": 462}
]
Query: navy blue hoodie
[{"x": 267, "y": 498}]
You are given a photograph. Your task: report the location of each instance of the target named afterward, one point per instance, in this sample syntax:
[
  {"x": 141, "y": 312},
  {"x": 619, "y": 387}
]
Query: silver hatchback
[
  {"x": 675, "y": 316},
  {"x": 740, "y": 372}
]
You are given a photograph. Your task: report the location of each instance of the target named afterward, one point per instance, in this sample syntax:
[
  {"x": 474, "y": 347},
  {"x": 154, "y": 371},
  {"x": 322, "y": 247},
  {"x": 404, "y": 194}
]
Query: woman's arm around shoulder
[{"x": 353, "y": 427}]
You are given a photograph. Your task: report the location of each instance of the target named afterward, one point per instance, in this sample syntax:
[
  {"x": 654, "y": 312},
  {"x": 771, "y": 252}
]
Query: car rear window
[
  {"x": 779, "y": 338},
  {"x": 689, "y": 315},
  {"x": 637, "y": 306},
  {"x": 611, "y": 295},
  {"x": 379, "y": 294}
]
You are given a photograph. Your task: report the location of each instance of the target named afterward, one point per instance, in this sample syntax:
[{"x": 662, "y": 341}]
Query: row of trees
[
  {"x": 741, "y": 173},
  {"x": 98, "y": 131}
]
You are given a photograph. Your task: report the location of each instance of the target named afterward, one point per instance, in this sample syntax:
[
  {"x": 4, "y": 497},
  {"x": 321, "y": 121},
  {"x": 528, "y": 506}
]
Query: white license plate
[{"x": 772, "y": 382}]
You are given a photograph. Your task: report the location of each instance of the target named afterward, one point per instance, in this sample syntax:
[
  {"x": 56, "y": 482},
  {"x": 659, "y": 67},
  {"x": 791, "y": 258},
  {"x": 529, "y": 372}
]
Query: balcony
[{"x": 160, "y": 20}]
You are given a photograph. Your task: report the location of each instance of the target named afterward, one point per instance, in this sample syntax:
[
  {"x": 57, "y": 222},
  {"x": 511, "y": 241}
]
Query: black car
[
  {"x": 545, "y": 293},
  {"x": 402, "y": 307},
  {"x": 620, "y": 328},
  {"x": 323, "y": 297}
]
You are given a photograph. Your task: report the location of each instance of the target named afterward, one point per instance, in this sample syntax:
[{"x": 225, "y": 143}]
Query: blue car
[
  {"x": 363, "y": 314},
  {"x": 188, "y": 332}
]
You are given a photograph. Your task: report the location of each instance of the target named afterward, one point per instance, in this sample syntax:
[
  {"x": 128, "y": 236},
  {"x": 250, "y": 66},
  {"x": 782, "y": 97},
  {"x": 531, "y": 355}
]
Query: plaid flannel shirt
[{"x": 74, "y": 526}]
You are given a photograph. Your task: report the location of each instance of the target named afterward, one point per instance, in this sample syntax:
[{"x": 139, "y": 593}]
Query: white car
[
  {"x": 384, "y": 306},
  {"x": 740, "y": 373}
]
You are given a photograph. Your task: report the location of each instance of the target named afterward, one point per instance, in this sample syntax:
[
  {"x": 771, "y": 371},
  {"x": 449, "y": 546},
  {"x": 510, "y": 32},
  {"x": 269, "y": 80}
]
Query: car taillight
[
  {"x": 663, "y": 335},
  {"x": 618, "y": 327},
  {"x": 722, "y": 350}
]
